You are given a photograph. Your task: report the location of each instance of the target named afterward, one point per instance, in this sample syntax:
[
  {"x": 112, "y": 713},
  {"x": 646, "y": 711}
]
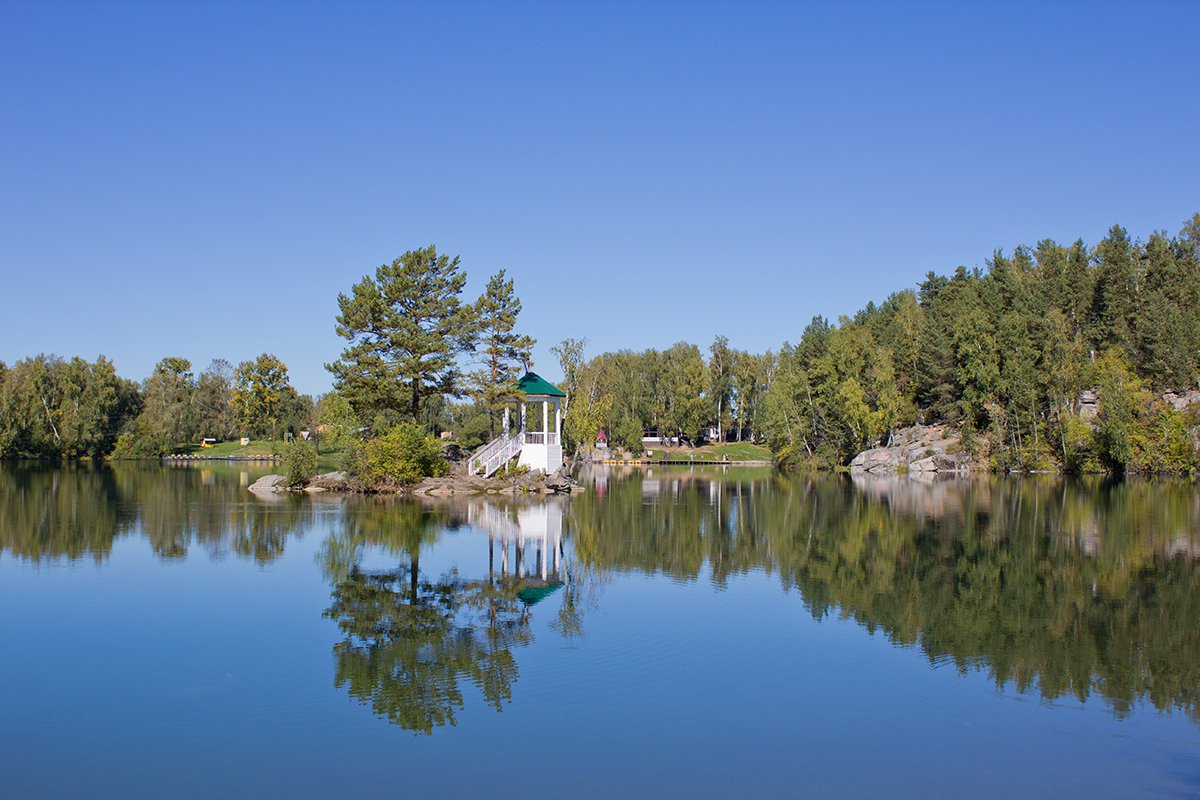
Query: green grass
[
  {"x": 733, "y": 451},
  {"x": 741, "y": 451},
  {"x": 232, "y": 449},
  {"x": 327, "y": 460}
]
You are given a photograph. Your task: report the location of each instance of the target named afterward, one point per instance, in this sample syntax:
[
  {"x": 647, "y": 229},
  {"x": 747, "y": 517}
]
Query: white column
[
  {"x": 558, "y": 420},
  {"x": 545, "y": 416}
]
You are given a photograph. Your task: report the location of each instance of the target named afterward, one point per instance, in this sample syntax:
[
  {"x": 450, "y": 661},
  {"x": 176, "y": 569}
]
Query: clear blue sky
[{"x": 202, "y": 179}]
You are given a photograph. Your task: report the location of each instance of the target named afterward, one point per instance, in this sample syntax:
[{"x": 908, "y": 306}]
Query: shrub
[
  {"x": 129, "y": 445},
  {"x": 299, "y": 462},
  {"x": 403, "y": 455},
  {"x": 511, "y": 471}
]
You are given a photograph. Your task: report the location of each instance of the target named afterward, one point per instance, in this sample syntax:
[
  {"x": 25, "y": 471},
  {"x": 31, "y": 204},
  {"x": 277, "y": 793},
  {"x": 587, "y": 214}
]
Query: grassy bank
[
  {"x": 327, "y": 460},
  {"x": 732, "y": 451}
]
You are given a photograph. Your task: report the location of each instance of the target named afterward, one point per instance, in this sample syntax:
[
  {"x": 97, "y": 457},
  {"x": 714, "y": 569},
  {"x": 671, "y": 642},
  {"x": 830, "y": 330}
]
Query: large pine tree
[
  {"x": 405, "y": 326},
  {"x": 503, "y": 353}
]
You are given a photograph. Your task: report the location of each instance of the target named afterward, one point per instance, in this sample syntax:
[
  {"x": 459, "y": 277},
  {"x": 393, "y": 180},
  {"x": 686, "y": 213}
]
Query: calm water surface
[{"x": 697, "y": 633}]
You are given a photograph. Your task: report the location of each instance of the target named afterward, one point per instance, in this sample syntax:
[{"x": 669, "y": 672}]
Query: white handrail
[{"x": 497, "y": 454}]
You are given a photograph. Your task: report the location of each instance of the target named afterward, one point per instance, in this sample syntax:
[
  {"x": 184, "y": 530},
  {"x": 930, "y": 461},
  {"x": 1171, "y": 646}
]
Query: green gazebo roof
[{"x": 532, "y": 383}]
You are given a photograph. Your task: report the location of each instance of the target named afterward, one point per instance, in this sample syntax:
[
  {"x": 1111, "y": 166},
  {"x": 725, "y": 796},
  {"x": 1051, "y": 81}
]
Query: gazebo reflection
[{"x": 519, "y": 532}]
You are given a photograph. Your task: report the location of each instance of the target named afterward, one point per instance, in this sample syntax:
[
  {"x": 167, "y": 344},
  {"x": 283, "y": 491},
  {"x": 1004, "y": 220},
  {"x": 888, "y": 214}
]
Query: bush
[
  {"x": 299, "y": 462},
  {"x": 129, "y": 445},
  {"x": 403, "y": 455},
  {"x": 511, "y": 471}
]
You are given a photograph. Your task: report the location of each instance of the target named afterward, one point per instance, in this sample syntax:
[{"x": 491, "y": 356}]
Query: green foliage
[
  {"x": 471, "y": 424},
  {"x": 569, "y": 353},
  {"x": 54, "y": 408},
  {"x": 1004, "y": 353},
  {"x": 261, "y": 395},
  {"x": 405, "y": 327},
  {"x": 504, "y": 355},
  {"x": 404, "y": 455},
  {"x": 337, "y": 424},
  {"x": 299, "y": 462},
  {"x": 511, "y": 471}
]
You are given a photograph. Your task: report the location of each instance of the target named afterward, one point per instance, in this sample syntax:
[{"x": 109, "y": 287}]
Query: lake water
[{"x": 699, "y": 633}]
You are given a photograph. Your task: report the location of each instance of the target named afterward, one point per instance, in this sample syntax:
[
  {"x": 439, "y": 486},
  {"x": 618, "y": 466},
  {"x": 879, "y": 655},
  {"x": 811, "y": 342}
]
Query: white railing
[
  {"x": 538, "y": 437},
  {"x": 496, "y": 454},
  {"x": 488, "y": 450},
  {"x": 496, "y": 522}
]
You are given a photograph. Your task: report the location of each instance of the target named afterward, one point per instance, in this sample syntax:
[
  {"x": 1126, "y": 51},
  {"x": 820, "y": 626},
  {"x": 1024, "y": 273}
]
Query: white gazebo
[{"x": 539, "y": 449}]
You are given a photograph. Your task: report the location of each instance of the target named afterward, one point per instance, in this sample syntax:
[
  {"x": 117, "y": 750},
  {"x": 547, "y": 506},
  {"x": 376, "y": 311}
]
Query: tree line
[
  {"x": 1005, "y": 352},
  {"x": 52, "y": 407}
]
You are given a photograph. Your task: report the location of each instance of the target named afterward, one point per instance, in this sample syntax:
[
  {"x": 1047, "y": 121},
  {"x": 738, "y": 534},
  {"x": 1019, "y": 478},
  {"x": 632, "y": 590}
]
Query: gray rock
[
  {"x": 1181, "y": 401},
  {"x": 937, "y": 463},
  {"x": 880, "y": 459},
  {"x": 330, "y": 480},
  {"x": 559, "y": 482},
  {"x": 1089, "y": 404},
  {"x": 269, "y": 483},
  {"x": 920, "y": 448}
]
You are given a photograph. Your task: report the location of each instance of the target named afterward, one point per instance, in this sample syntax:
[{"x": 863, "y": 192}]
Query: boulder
[
  {"x": 920, "y": 448},
  {"x": 559, "y": 482},
  {"x": 269, "y": 483},
  {"x": 330, "y": 480},
  {"x": 937, "y": 463},
  {"x": 880, "y": 459},
  {"x": 1089, "y": 404},
  {"x": 1180, "y": 401}
]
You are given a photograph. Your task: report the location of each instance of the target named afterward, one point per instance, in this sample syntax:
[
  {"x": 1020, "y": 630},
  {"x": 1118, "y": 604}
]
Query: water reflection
[
  {"x": 411, "y": 642},
  {"x": 1066, "y": 588},
  {"x": 80, "y": 511},
  {"x": 1060, "y": 588}
]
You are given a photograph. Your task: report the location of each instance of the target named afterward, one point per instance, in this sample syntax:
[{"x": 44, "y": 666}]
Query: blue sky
[{"x": 202, "y": 179}]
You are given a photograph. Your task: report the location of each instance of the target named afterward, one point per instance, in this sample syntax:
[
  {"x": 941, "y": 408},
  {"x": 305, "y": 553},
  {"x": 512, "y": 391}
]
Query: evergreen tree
[
  {"x": 503, "y": 353},
  {"x": 405, "y": 326}
]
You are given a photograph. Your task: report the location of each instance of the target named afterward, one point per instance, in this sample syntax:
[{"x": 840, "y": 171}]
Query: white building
[{"x": 540, "y": 448}]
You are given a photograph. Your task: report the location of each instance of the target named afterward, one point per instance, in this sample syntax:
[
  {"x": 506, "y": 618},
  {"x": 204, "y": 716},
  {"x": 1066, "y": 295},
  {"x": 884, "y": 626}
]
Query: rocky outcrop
[
  {"x": 330, "y": 481},
  {"x": 939, "y": 462},
  {"x": 269, "y": 483},
  {"x": 1180, "y": 401},
  {"x": 1089, "y": 404},
  {"x": 921, "y": 448},
  {"x": 560, "y": 482}
]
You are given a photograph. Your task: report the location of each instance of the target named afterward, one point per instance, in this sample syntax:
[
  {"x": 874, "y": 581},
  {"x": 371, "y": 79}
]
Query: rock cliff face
[
  {"x": 921, "y": 448},
  {"x": 1181, "y": 401}
]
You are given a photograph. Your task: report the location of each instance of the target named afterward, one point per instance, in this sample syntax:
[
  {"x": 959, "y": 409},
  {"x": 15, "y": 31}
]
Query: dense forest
[
  {"x": 54, "y": 408},
  {"x": 1006, "y": 353}
]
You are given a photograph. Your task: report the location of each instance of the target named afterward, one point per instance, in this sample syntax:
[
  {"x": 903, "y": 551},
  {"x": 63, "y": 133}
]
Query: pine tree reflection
[{"x": 411, "y": 643}]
